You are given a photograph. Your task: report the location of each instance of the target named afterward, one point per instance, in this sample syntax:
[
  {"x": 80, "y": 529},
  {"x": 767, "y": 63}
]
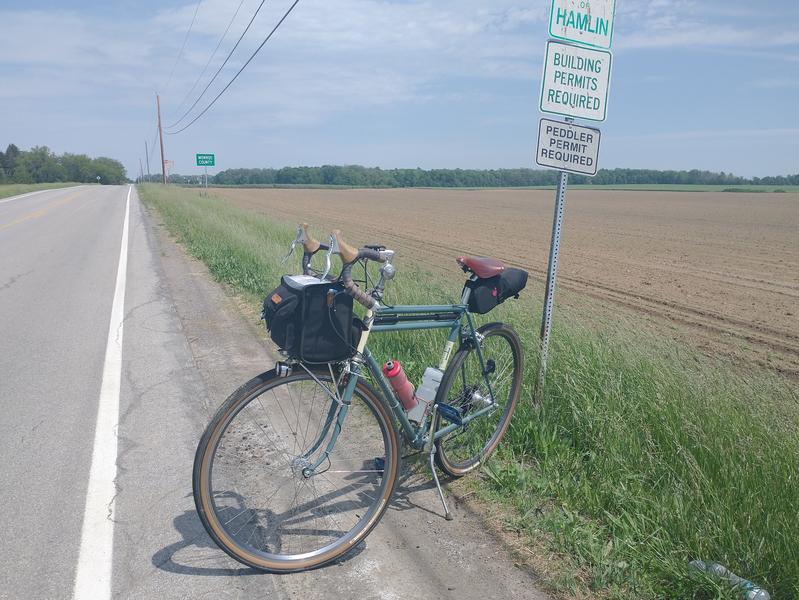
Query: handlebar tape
[
  {"x": 370, "y": 254},
  {"x": 353, "y": 290}
]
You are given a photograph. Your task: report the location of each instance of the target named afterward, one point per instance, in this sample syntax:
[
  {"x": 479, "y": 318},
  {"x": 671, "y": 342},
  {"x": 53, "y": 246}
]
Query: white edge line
[
  {"x": 93, "y": 574},
  {"x": 3, "y": 201}
]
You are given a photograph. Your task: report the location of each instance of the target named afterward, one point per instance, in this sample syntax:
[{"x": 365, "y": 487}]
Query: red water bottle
[{"x": 399, "y": 381}]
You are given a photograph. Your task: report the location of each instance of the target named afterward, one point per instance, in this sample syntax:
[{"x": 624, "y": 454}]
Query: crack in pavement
[{"x": 14, "y": 279}]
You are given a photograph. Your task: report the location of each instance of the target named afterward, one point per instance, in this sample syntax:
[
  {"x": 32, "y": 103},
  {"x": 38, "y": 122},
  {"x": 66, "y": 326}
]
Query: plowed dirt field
[{"x": 718, "y": 270}]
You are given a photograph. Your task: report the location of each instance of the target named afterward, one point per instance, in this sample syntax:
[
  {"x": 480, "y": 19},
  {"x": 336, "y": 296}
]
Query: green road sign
[{"x": 206, "y": 160}]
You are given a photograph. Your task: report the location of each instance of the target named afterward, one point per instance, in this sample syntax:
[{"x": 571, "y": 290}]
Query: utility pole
[
  {"x": 161, "y": 137},
  {"x": 147, "y": 155},
  {"x": 141, "y": 172}
]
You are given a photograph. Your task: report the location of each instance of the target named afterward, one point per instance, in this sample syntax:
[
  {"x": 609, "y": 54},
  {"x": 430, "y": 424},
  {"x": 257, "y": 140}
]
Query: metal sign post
[
  {"x": 552, "y": 277},
  {"x": 574, "y": 84}
]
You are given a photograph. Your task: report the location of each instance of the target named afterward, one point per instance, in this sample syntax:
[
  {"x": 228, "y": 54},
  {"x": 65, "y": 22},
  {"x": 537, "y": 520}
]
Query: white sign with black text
[{"x": 568, "y": 147}]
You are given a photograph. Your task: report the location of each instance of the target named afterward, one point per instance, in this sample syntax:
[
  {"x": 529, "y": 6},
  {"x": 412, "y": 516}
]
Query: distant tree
[
  {"x": 358, "y": 176},
  {"x": 41, "y": 165},
  {"x": 78, "y": 167},
  {"x": 10, "y": 159},
  {"x": 110, "y": 171},
  {"x": 22, "y": 175}
]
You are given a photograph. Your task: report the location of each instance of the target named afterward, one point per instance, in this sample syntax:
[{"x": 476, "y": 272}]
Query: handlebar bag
[
  {"x": 489, "y": 293},
  {"x": 312, "y": 321}
]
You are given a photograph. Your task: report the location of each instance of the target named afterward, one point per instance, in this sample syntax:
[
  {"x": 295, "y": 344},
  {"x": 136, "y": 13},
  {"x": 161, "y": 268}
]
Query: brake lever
[
  {"x": 331, "y": 250},
  {"x": 300, "y": 238}
]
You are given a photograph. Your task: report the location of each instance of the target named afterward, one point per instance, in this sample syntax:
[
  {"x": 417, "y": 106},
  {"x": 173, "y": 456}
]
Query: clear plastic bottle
[
  {"x": 426, "y": 394},
  {"x": 748, "y": 590}
]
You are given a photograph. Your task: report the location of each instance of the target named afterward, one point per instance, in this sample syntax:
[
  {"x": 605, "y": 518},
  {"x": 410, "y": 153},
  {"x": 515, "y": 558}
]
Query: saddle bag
[
  {"x": 311, "y": 320},
  {"x": 489, "y": 293}
]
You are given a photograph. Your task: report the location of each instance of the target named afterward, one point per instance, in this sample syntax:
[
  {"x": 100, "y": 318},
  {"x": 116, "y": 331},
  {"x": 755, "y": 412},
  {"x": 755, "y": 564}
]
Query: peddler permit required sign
[
  {"x": 576, "y": 81},
  {"x": 568, "y": 147},
  {"x": 588, "y": 22}
]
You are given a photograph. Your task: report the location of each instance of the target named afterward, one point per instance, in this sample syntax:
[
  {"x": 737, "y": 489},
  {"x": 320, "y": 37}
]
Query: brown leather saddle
[{"x": 481, "y": 266}]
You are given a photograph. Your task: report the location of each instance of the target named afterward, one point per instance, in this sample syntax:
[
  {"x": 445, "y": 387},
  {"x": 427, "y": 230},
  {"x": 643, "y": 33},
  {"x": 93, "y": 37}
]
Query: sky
[{"x": 704, "y": 84}]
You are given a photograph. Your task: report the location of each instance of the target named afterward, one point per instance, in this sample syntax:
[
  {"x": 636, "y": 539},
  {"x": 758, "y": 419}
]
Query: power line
[
  {"x": 213, "y": 54},
  {"x": 183, "y": 47},
  {"x": 244, "y": 66},
  {"x": 219, "y": 70}
]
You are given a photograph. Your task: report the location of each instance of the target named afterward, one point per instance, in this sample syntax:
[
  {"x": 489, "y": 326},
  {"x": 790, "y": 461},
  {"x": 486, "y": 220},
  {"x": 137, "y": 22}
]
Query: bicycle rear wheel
[
  {"x": 465, "y": 386},
  {"x": 250, "y": 490}
]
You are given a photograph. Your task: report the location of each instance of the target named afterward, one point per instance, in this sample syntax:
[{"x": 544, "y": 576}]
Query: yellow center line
[{"x": 39, "y": 213}]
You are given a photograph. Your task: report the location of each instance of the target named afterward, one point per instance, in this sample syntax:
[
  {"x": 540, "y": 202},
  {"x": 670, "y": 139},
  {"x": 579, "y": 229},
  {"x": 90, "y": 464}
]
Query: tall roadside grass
[
  {"x": 14, "y": 189},
  {"x": 641, "y": 457}
]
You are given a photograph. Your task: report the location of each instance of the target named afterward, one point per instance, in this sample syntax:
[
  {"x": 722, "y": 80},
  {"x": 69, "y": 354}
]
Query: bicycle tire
[
  {"x": 251, "y": 454},
  {"x": 464, "y": 450}
]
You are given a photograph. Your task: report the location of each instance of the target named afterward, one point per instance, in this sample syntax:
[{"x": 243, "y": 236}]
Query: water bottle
[
  {"x": 749, "y": 590},
  {"x": 426, "y": 394},
  {"x": 399, "y": 382}
]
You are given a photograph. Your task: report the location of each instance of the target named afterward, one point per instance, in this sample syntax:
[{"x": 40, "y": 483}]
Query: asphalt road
[{"x": 100, "y": 423}]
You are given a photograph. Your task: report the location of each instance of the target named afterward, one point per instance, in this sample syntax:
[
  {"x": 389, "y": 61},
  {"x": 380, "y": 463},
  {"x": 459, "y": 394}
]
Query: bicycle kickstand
[
  {"x": 447, "y": 515},
  {"x": 433, "y": 448}
]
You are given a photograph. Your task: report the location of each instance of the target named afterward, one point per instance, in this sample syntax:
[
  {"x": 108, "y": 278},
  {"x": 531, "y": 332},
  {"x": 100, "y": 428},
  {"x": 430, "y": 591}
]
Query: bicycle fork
[{"x": 336, "y": 414}]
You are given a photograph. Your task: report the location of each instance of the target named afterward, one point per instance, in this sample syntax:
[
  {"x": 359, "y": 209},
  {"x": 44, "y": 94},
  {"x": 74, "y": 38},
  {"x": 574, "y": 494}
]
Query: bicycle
[{"x": 282, "y": 485}]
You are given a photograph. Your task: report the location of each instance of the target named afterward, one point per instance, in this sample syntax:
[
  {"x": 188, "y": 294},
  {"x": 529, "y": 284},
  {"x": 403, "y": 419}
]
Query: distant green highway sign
[{"x": 206, "y": 160}]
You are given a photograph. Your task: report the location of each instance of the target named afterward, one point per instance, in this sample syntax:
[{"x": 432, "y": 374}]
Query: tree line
[
  {"x": 40, "y": 165},
  {"x": 358, "y": 176}
]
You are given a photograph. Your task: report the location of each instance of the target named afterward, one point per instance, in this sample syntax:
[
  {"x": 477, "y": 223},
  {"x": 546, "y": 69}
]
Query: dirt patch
[{"x": 720, "y": 271}]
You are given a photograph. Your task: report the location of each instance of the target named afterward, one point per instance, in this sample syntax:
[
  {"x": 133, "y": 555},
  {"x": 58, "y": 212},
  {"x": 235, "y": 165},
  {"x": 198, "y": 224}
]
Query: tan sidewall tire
[{"x": 210, "y": 438}]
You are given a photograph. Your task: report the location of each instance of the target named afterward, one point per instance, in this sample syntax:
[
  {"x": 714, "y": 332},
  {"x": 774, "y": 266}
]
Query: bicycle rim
[
  {"x": 465, "y": 387},
  {"x": 250, "y": 490}
]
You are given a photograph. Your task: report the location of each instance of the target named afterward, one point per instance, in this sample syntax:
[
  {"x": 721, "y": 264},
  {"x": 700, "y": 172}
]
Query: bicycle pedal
[
  {"x": 450, "y": 413},
  {"x": 379, "y": 464}
]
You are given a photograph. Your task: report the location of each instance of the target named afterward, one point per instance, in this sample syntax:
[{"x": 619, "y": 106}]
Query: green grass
[
  {"x": 14, "y": 189},
  {"x": 642, "y": 456}
]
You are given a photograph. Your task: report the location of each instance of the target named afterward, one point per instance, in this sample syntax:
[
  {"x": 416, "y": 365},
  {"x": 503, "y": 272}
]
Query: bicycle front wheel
[
  {"x": 252, "y": 488},
  {"x": 469, "y": 386}
]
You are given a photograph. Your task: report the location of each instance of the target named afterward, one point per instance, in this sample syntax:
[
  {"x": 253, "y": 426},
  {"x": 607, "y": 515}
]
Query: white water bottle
[{"x": 426, "y": 394}]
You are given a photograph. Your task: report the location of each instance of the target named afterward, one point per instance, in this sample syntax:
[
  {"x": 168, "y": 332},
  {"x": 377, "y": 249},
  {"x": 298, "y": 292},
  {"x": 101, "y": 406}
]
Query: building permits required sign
[
  {"x": 588, "y": 22},
  {"x": 568, "y": 147},
  {"x": 206, "y": 160},
  {"x": 576, "y": 81}
]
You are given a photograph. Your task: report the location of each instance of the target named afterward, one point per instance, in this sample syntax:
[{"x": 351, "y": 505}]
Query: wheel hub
[{"x": 300, "y": 467}]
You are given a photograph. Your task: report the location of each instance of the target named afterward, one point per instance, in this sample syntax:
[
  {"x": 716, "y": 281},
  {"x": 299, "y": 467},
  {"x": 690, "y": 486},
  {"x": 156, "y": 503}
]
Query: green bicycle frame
[{"x": 403, "y": 318}]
